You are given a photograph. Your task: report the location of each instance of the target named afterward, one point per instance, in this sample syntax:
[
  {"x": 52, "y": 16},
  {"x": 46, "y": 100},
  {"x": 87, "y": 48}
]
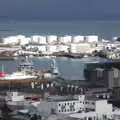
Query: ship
[
  {"x": 24, "y": 69},
  {"x": 25, "y": 75}
]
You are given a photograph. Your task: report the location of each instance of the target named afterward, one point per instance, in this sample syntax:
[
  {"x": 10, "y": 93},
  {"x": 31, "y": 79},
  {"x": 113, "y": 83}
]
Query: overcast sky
[{"x": 60, "y": 9}]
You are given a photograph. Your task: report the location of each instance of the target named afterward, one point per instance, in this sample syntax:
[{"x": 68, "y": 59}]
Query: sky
[{"x": 60, "y": 9}]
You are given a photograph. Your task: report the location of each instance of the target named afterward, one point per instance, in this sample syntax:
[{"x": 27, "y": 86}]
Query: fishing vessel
[
  {"x": 23, "y": 76},
  {"x": 24, "y": 72},
  {"x": 26, "y": 75}
]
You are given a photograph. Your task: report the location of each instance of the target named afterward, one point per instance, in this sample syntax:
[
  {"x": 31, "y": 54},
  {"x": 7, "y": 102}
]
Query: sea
[{"x": 70, "y": 69}]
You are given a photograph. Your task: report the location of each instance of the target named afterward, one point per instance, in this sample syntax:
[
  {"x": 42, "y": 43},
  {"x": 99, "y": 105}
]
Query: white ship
[{"x": 24, "y": 72}]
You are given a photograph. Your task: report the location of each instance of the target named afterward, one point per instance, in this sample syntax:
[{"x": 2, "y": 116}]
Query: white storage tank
[
  {"x": 51, "y": 49},
  {"x": 21, "y": 37},
  {"x": 25, "y": 41},
  {"x": 92, "y": 38},
  {"x": 35, "y": 39},
  {"x": 66, "y": 39},
  {"x": 78, "y": 39},
  {"x": 80, "y": 48},
  {"x": 51, "y": 39},
  {"x": 11, "y": 40},
  {"x": 42, "y": 40},
  {"x": 6, "y": 40}
]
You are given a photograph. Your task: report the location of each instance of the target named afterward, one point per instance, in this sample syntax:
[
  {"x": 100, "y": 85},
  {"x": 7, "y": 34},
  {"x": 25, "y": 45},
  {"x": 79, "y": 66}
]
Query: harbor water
[{"x": 70, "y": 69}]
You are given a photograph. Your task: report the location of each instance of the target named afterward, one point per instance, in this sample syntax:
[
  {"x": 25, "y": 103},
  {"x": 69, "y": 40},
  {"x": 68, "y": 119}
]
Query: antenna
[{"x": 2, "y": 67}]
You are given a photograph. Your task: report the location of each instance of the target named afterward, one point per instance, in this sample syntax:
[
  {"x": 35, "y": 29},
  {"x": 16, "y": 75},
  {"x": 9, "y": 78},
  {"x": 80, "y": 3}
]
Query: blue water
[{"x": 69, "y": 68}]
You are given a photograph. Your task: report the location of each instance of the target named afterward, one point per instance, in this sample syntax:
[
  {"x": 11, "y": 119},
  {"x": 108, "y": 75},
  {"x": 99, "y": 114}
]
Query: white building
[
  {"x": 14, "y": 39},
  {"x": 94, "y": 109},
  {"x": 92, "y": 38},
  {"x": 51, "y": 49},
  {"x": 51, "y": 39},
  {"x": 42, "y": 48},
  {"x": 25, "y": 41},
  {"x": 78, "y": 39},
  {"x": 81, "y": 48},
  {"x": 62, "y": 105},
  {"x": 62, "y": 48}
]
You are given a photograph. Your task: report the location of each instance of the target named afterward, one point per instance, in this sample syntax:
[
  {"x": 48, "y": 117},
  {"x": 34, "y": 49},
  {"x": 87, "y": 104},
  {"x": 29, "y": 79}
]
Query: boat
[
  {"x": 25, "y": 75},
  {"x": 24, "y": 72},
  {"x": 53, "y": 72}
]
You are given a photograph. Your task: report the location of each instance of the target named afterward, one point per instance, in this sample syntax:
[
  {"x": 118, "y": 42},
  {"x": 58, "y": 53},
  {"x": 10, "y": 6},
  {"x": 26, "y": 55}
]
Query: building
[
  {"x": 62, "y": 104},
  {"x": 42, "y": 48},
  {"x": 70, "y": 105},
  {"x": 80, "y": 48},
  {"x": 106, "y": 77},
  {"x": 51, "y": 49},
  {"x": 95, "y": 109},
  {"x": 62, "y": 48}
]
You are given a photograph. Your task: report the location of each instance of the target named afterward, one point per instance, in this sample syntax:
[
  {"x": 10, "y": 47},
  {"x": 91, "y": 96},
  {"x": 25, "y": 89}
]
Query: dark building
[{"x": 108, "y": 78}]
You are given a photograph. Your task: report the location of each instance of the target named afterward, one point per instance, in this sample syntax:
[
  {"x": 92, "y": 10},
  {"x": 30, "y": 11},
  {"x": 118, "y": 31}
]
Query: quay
[{"x": 23, "y": 82}]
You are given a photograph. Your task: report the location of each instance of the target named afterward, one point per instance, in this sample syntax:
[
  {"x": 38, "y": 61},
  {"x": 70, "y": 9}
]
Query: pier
[{"x": 9, "y": 84}]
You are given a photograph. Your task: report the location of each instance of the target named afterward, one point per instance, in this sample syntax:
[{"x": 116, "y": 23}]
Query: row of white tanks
[{"x": 49, "y": 39}]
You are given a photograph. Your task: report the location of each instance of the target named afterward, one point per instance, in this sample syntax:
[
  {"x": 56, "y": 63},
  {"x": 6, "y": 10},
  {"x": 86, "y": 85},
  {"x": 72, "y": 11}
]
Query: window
[
  {"x": 59, "y": 104},
  {"x": 67, "y": 103},
  {"x": 59, "y": 111}
]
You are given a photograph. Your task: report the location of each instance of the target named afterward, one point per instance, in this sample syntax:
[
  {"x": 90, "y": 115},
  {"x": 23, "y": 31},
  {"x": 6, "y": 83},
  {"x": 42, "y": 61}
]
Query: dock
[{"x": 26, "y": 82}]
